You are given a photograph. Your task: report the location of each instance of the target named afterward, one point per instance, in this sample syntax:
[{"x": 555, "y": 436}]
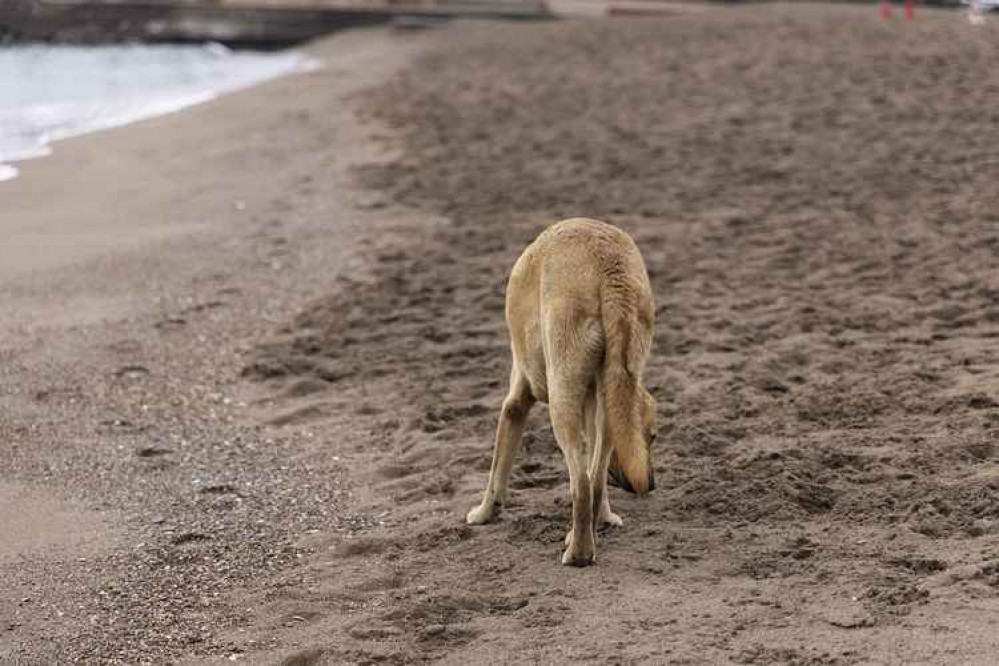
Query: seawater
[{"x": 52, "y": 92}]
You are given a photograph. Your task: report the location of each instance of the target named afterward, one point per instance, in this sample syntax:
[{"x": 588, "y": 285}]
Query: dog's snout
[{"x": 650, "y": 484}]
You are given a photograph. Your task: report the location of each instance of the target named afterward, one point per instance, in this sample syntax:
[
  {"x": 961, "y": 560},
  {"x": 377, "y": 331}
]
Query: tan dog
[{"x": 580, "y": 313}]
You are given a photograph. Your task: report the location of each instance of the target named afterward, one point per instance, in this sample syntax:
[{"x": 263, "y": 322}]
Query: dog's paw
[
  {"x": 480, "y": 515},
  {"x": 579, "y": 552},
  {"x": 611, "y": 519},
  {"x": 573, "y": 559}
]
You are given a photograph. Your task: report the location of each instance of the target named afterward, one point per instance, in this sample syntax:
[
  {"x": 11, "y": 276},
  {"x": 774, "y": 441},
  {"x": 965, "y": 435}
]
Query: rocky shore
[
  {"x": 271, "y": 25},
  {"x": 90, "y": 23}
]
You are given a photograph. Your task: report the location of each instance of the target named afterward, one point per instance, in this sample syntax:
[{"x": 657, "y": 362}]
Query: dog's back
[{"x": 579, "y": 307}]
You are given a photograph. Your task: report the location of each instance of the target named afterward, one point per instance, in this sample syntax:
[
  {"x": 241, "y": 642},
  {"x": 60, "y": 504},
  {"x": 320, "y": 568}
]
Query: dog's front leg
[
  {"x": 598, "y": 477},
  {"x": 600, "y": 453}
]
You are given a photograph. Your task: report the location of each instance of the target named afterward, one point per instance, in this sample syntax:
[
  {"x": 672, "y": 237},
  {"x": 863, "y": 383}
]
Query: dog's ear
[{"x": 617, "y": 477}]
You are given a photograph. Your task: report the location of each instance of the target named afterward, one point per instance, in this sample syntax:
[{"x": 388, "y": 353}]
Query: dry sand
[{"x": 814, "y": 192}]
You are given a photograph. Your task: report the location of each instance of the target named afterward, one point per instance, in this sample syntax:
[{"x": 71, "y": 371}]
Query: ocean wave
[{"x": 48, "y": 93}]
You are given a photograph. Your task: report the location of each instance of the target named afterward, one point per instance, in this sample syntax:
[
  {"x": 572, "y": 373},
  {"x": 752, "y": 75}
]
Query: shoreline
[
  {"x": 122, "y": 111},
  {"x": 130, "y": 287}
]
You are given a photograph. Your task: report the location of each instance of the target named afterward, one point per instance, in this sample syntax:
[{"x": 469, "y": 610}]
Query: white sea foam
[{"x": 49, "y": 93}]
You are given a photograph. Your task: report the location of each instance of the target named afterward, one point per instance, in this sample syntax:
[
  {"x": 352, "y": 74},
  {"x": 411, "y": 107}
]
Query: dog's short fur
[{"x": 580, "y": 313}]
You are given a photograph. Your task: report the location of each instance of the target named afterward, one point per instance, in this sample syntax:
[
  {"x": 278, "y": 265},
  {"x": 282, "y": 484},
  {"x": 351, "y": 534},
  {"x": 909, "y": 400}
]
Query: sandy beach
[{"x": 253, "y": 361}]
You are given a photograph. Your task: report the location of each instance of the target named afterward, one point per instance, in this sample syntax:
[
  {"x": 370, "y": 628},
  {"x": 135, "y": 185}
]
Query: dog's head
[{"x": 642, "y": 475}]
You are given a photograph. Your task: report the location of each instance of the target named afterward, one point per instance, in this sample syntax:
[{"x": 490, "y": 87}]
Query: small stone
[
  {"x": 848, "y": 618},
  {"x": 776, "y": 386},
  {"x": 435, "y": 630}
]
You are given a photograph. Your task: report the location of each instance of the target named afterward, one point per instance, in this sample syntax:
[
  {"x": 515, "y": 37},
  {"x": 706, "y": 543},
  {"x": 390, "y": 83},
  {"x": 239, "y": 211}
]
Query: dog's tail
[{"x": 625, "y": 351}]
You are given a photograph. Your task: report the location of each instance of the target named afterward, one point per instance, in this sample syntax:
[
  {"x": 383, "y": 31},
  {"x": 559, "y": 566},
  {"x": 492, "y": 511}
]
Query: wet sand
[
  {"x": 290, "y": 408},
  {"x": 137, "y": 266}
]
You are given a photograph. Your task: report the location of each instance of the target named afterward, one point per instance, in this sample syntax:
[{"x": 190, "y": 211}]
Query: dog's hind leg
[
  {"x": 567, "y": 421},
  {"x": 513, "y": 416},
  {"x": 573, "y": 359}
]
